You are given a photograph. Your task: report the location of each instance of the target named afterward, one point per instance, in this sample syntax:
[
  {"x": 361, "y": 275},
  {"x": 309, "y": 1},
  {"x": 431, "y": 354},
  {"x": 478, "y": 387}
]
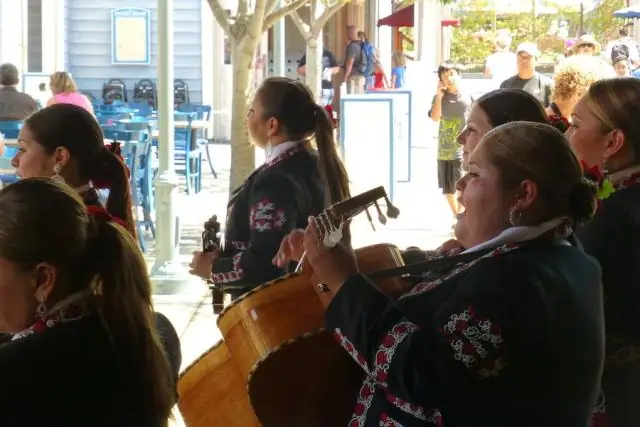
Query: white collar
[
  {"x": 272, "y": 152},
  {"x": 517, "y": 234}
]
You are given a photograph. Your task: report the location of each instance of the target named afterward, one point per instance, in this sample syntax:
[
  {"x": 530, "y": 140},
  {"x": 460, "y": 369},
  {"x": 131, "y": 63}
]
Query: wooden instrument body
[
  {"x": 213, "y": 394},
  {"x": 297, "y": 374}
]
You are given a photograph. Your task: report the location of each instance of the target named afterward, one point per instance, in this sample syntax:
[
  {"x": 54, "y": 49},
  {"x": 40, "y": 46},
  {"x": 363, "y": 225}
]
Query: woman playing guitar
[{"x": 296, "y": 180}]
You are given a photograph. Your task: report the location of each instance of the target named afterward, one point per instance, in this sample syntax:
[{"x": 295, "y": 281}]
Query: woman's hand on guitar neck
[
  {"x": 290, "y": 248},
  {"x": 332, "y": 266}
]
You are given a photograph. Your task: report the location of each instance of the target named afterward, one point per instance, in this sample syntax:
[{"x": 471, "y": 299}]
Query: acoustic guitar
[
  {"x": 211, "y": 243},
  {"x": 297, "y": 374}
]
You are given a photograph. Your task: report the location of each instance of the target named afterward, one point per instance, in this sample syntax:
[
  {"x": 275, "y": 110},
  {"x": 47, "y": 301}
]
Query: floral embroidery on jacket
[
  {"x": 476, "y": 342},
  {"x": 265, "y": 216},
  {"x": 386, "y": 421}
]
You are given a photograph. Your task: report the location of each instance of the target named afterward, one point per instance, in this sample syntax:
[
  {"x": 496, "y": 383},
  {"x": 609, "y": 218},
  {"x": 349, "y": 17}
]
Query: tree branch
[
  {"x": 300, "y": 24},
  {"x": 271, "y": 5},
  {"x": 221, "y": 16},
  {"x": 327, "y": 13},
  {"x": 281, "y": 12},
  {"x": 242, "y": 8}
]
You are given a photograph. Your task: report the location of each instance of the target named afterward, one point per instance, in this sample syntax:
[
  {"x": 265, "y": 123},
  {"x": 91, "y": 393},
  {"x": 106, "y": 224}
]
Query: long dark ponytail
[{"x": 292, "y": 104}]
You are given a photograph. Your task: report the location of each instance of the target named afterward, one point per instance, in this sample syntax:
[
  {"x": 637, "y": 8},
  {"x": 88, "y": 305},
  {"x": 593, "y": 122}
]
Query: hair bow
[
  {"x": 595, "y": 176},
  {"x": 559, "y": 123},
  {"x": 115, "y": 148},
  {"x": 332, "y": 115},
  {"x": 103, "y": 215}
]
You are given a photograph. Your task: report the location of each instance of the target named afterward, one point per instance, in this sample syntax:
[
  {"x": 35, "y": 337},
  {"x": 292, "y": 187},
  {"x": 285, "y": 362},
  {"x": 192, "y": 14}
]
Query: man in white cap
[{"x": 527, "y": 78}]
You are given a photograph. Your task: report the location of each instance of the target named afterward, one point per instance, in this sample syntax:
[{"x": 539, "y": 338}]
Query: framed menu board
[{"x": 131, "y": 36}]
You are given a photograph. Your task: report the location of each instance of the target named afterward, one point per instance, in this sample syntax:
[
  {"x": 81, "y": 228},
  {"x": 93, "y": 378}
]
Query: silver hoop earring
[
  {"x": 56, "y": 173},
  {"x": 515, "y": 217}
]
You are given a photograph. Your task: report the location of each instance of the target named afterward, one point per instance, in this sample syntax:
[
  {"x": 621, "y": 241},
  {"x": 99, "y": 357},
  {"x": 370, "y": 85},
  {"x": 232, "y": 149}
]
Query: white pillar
[
  {"x": 166, "y": 268},
  {"x": 279, "y": 47},
  {"x": 49, "y": 36},
  {"x": 207, "y": 29},
  {"x": 385, "y": 37},
  {"x": 12, "y": 39},
  {"x": 60, "y": 35}
]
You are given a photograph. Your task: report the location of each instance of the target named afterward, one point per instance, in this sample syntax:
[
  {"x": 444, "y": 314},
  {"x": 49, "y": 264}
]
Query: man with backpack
[
  {"x": 624, "y": 46},
  {"x": 355, "y": 62}
]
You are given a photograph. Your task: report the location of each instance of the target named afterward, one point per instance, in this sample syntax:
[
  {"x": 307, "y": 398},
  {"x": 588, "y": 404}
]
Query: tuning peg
[
  {"x": 392, "y": 211},
  {"x": 381, "y": 218}
]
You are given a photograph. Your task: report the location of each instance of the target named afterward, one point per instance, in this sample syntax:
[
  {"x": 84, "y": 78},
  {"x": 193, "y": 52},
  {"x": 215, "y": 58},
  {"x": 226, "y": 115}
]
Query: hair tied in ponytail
[
  {"x": 559, "y": 123},
  {"x": 102, "y": 215},
  {"x": 115, "y": 149}
]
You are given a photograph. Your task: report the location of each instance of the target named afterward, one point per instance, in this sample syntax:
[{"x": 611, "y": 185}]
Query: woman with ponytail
[
  {"x": 75, "y": 295},
  {"x": 65, "y": 142},
  {"x": 298, "y": 179}
]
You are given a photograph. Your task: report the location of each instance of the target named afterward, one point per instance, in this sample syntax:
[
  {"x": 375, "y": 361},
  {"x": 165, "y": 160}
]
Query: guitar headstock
[
  {"x": 331, "y": 220},
  {"x": 210, "y": 239}
]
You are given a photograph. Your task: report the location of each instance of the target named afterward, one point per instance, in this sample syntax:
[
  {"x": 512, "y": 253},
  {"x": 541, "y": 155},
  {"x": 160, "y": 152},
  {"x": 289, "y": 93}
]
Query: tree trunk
[
  {"x": 314, "y": 52},
  {"x": 242, "y": 152},
  {"x": 314, "y": 65}
]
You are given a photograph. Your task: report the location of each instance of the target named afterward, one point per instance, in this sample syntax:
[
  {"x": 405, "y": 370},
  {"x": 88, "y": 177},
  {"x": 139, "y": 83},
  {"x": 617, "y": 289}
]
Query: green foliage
[{"x": 473, "y": 41}]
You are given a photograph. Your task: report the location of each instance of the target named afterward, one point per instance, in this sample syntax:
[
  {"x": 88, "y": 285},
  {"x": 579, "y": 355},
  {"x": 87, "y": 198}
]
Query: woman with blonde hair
[
  {"x": 605, "y": 134},
  {"x": 65, "y": 91},
  {"x": 572, "y": 79}
]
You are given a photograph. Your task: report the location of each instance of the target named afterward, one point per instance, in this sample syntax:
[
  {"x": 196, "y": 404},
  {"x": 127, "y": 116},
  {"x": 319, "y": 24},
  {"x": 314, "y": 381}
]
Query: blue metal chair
[
  {"x": 187, "y": 158},
  {"x": 137, "y": 155},
  {"x": 10, "y": 128},
  {"x": 7, "y": 177}
]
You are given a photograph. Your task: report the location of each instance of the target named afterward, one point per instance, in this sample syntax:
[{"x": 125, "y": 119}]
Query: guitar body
[
  {"x": 213, "y": 394},
  {"x": 297, "y": 374}
]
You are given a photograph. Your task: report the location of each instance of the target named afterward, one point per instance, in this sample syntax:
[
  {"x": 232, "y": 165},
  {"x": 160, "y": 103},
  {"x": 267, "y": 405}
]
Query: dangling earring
[
  {"x": 515, "y": 217},
  {"x": 41, "y": 311},
  {"x": 56, "y": 173}
]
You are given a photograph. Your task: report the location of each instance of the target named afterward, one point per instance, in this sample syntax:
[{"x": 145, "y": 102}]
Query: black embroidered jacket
[
  {"x": 511, "y": 339},
  {"x": 275, "y": 199},
  {"x": 613, "y": 238}
]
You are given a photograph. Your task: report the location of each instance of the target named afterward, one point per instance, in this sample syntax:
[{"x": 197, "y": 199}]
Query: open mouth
[{"x": 462, "y": 211}]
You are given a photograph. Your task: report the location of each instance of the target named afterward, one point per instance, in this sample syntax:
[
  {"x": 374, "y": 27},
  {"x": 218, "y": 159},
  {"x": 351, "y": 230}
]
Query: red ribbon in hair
[
  {"x": 592, "y": 173},
  {"x": 332, "y": 115},
  {"x": 103, "y": 215},
  {"x": 115, "y": 148}
]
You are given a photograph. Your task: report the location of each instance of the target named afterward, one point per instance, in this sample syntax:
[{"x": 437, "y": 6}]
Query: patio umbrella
[{"x": 631, "y": 12}]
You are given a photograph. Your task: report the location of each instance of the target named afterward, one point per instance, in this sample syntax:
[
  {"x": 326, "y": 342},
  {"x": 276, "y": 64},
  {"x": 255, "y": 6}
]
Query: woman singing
[
  {"x": 296, "y": 181},
  {"x": 511, "y": 338},
  {"x": 76, "y": 296},
  {"x": 605, "y": 132},
  {"x": 65, "y": 141}
]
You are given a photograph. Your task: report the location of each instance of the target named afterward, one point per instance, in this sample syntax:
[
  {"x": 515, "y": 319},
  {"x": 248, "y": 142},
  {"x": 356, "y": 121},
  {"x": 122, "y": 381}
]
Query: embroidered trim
[
  {"x": 290, "y": 152},
  {"x": 363, "y": 404},
  {"x": 236, "y": 273},
  {"x": 386, "y": 421},
  {"x": 413, "y": 410},
  {"x": 427, "y": 286},
  {"x": 238, "y": 245},
  {"x": 387, "y": 349},
  {"x": 348, "y": 346}
]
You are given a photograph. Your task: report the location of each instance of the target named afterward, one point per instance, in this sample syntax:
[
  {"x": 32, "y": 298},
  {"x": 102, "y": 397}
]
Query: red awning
[{"x": 404, "y": 18}]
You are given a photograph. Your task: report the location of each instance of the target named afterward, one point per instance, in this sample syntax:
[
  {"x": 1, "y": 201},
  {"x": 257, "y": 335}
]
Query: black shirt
[
  {"x": 328, "y": 61},
  {"x": 538, "y": 86}
]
